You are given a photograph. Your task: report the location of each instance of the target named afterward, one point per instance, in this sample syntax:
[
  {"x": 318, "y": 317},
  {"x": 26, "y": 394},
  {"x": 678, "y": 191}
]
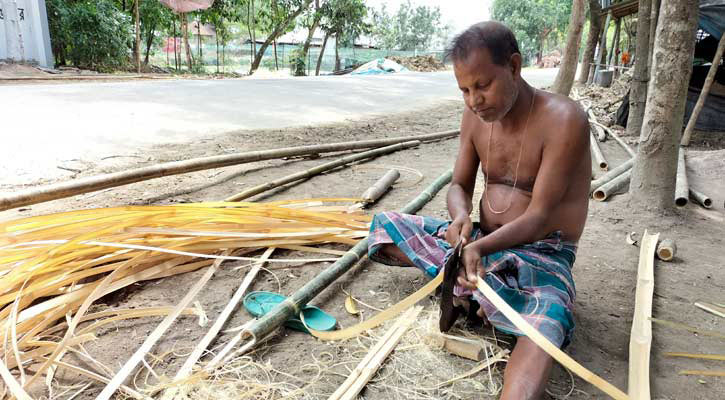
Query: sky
[{"x": 459, "y": 13}]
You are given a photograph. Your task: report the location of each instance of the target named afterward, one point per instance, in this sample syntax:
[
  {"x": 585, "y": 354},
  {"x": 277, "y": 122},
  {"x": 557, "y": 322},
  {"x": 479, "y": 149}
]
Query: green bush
[{"x": 297, "y": 62}]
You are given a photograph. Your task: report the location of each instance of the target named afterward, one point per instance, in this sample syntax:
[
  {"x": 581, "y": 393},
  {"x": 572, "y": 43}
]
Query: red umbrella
[{"x": 184, "y": 6}]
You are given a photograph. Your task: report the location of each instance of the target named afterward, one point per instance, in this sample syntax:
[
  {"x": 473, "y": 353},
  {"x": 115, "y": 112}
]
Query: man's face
[{"x": 489, "y": 90}]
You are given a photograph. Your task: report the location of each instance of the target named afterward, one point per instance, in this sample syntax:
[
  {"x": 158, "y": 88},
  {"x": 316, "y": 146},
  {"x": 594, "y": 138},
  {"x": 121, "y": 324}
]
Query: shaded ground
[{"x": 605, "y": 271}]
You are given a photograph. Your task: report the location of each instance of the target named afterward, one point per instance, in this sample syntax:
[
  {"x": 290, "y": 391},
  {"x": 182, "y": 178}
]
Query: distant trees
[{"x": 410, "y": 28}]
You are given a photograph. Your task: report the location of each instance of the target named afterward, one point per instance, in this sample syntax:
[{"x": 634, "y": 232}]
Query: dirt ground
[{"x": 605, "y": 273}]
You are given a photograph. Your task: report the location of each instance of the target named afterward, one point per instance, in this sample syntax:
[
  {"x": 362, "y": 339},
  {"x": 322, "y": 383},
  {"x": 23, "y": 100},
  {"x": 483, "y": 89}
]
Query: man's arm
[
  {"x": 560, "y": 156},
  {"x": 460, "y": 193}
]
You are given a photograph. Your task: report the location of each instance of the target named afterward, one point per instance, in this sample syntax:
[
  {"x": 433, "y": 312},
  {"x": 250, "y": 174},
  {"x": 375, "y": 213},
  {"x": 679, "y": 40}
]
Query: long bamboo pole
[
  {"x": 320, "y": 169},
  {"x": 84, "y": 185},
  {"x": 612, "y": 174},
  {"x": 682, "y": 187},
  {"x": 700, "y": 198},
  {"x": 380, "y": 187},
  {"x": 616, "y": 137},
  {"x": 597, "y": 153},
  {"x": 291, "y": 306},
  {"x": 640, "y": 341},
  {"x": 614, "y": 186},
  {"x": 687, "y": 135}
]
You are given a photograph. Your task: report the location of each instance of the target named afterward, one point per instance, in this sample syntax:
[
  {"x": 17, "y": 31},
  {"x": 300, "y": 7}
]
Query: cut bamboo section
[
  {"x": 610, "y": 175},
  {"x": 716, "y": 357},
  {"x": 616, "y": 137},
  {"x": 666, "y": 250},
  {"x": 614, "y": 186},
  {"x": 597, "y": 153},
  {"x": 372, "y": 361},
  {"x": 372, "y": 194},
  {"x": 461, "y": 347},
  {"x": 640, "y": 341},
  {"x": 320, "y": 168},
  {"x": 84, "y": 185},
  {"x": 601, "y": 133},
  {"x": 682, "y": 188},
  {"x": 701, "y": 198},
  {"x": 555, "y": 352}
]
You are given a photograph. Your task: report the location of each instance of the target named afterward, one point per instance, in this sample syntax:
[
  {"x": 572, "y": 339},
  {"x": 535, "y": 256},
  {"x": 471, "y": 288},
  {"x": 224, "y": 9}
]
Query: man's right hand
[{"x": 461, "y": 227}]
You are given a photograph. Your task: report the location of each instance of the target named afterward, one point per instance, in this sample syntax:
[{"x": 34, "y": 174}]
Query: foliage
[
  {"x": 298, "y": 62},
  {"x": 533, "y": 22},
  {"x": 346, "y": 19},
  {"x": 410, "y": 28}
]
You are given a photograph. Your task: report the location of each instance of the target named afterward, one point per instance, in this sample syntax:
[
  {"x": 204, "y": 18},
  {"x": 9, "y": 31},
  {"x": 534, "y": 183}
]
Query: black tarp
[{"x": 712, "y": 17}]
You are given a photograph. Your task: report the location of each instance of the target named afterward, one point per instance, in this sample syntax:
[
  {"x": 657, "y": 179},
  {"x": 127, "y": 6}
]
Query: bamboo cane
[
  {"x": 601, "y": 133},
  {"x": 700, "y": 198},
  {"x": 380, "y": 187},
  {"x": 597, "y": 152},
  {"x": 617, "y": 138},
  {"x": 290, "y": 307},
  {"x": 319, "y": 169},
  {"x": 666, "y": 250},
  {"x": 682, "y": 188},
  {"x": 640, "y": 341},
  {"x": 84, "y": 185},
  {"x": 612, "y": 174},
  {"x": 703, "y": 93},
  {"x": 614, "y": 186}
]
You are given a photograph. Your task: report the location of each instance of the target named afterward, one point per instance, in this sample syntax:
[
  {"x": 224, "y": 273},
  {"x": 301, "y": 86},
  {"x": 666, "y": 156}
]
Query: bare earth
[{"x": 605, "y": 271}]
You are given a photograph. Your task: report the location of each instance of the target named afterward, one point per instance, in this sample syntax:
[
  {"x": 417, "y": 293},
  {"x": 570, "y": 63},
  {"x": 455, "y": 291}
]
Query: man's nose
[{"x": 477, "y": 99}]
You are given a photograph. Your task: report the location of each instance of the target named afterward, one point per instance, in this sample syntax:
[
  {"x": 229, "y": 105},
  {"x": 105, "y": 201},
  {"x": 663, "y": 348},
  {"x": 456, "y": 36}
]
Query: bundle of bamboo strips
[{"x": 58, "y": 265}]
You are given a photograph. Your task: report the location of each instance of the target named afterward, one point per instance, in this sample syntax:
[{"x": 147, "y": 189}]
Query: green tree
[
  {"x": 533, "y": 21},
  {"x": 410, "y": 28},
  {"x": 344, "y": 19},
  {"x": 155, "y": 18},
  {"x": 277, "y": 17}
]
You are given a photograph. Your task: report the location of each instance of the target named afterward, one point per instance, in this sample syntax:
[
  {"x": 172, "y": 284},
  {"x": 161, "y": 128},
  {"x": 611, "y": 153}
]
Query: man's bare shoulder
[{"x": 564, "y": 117}]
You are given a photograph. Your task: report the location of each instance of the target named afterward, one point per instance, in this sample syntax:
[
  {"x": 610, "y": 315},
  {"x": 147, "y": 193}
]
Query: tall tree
[
  {"x": 344, "y": 19},
  {"x": 137, "y": 46},
  {"x": 640, "y": 77},
  {"x": 311, "y": 29},
  {"x": 655, "y": 170},
  {"x": 595, "y": 27},
  {"x": 278, "y": 17},
  {"x": 565, "y": 77}
]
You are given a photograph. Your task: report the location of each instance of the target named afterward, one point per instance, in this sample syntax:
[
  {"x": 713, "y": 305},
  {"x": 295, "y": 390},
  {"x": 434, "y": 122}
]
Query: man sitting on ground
[{"x": 533, "y": 149}]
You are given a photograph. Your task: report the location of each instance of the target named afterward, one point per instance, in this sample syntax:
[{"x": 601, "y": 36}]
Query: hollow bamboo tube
[
  {"x": 290, "y": 307},
  {"x": 703, "y": 93},
  {"x": 640, "y": 342},
  {"x": 381, "y": 186},
  {"x": 700, "y": 198},
  {"x": 682, "y": 188},
  {"x": 84, "y": 185},
  {"x": 319, "y": 169},
  {"x": 619, "y": 170},
  {"x": 597, "y": 153},
  {"x": 666, "y": 250},
  {"x": 614, "y": 186}
]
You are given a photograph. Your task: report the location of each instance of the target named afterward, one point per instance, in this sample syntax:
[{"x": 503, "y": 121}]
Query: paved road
[{"x": 47, "y": 123}]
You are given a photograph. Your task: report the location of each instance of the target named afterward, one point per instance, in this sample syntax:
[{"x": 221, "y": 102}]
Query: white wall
[{"x": 24, "y": 35}]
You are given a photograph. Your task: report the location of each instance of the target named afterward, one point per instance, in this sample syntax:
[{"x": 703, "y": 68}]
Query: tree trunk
[
  {"x": 310, "y": 34},
  {"x": 595, "y": 26},
  {"x": 217, "y": 53},
  {"x": 138, "y": 37},
  {"x": 149, "y": 42},
  {"x": 249, "y": 28},
  {"x": 567, "y": 70},
  {"x": 322, "y": 51},
  {"x": 275, "y": 34},
  {"x": 198, "y": 39},
  {"x": 176, "y": 56},
  {"x": 602, "y": 58},
  {"x": 615, "y": 43},
  {"x": 640, "y": 77},
  {"x": 337, "y": 52},
  {"x": 655, "y": 169},
  {"x": 185, "y": 33},
  {"x": 276, "y": 62},
  {"x": 653, "y": 17}
]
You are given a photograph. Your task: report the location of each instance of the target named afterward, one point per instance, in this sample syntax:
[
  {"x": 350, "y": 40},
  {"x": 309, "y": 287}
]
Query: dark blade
[{"x": 449, "y": 313}]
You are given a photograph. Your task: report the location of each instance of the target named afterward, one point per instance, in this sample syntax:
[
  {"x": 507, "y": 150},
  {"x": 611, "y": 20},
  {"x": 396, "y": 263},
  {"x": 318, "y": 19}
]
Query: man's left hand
[{"x": 472, "y": 267}]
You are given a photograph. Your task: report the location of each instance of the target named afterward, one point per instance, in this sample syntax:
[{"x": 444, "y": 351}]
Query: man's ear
[{"x": 515, "y": 64}]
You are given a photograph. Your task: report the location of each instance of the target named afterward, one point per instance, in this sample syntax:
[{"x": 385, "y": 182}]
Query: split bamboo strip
[
  {"x": 290, "y": 307},
  {"x": 640, "y": 341},
  {"x": 692, "y": 329},
  {"x": 154, "y": 336},
  {"x": 372, "y": 361},
  {"x": 84, "y": 185},
  {"x": 610, "y": 175},
  {"x": 704, "y": 92},
  {"x": 700, "y": 198},
  {"x": 682, "y": 188},
  {"x": 711, "y": 308},
  {"x": 702, "y": 372},
  {"x": 319, "y": 169},
  {"x": 614, "y": 186},
  {"x": 546, "y": 345},
  {"x": 382, "y": 185},
  {"x": 13, "y": 384},
  {"x": 717, "y": 357},
  {"x": 597, "y": 153}
]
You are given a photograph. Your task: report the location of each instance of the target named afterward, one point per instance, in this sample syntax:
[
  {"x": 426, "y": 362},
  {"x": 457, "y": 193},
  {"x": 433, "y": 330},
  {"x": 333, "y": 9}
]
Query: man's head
[{"x": 487, "y": 65}]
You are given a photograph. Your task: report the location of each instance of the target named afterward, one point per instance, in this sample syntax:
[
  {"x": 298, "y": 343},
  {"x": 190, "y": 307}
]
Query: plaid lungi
[{"x": 535, "y": 279}]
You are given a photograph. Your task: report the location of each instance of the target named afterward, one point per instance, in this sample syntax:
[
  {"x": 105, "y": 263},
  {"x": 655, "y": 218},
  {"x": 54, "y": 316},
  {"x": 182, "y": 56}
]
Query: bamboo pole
[
  {"x": 682, "y": 188},
  {"x": 691, "y": 329},
  {"x": 380, "y": 187},
  {"x": 597, "y": 153},
  {"x": 84, "y": 185},
  {"x": 687, "y": 135},
  {"x": 616, "y": 137},
  {"x": 290, "y": 307},
  {"x": 320, "y": 168},
  {"x": 555, "y": 352},
  {"x": 612, "y": 174},
  {"x": 666, "y": 250},
  {"x": 640, "y": 341},
  {"x": 601, "y": 133},
  {"x": 612, "y": 187},
  {"x": 700, "y": 198}
]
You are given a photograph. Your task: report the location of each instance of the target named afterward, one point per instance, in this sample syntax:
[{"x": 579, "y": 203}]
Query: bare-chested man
[{"x": 533, "y": 149}]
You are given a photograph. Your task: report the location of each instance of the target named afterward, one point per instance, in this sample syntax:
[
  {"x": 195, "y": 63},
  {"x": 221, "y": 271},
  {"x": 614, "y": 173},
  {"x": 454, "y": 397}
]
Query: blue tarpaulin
[{"x": 712, "y": 17}]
